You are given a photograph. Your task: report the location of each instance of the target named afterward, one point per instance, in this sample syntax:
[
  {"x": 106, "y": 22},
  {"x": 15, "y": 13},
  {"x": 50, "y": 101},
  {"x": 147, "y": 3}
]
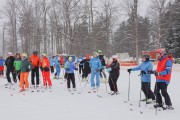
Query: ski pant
[
  {"x": 163, "y": 87},
  {"x": 71, "y": 78},
  {"x": 102, "y": 73},
  {"x": 146, "y": 88},
  {"x": 85, "y": 75},
  {"x": 24, "y": 80},
  {"x": 16, "y": 74},
  {"x": 35, "y": 73},
  {"x": 58, "y": 70},
  {"x": 10, "y": 70},
  {"x": 80, "y": 69},
  {"x": 52, "y": 69},
  {"x": 46, "y": 78},
  {"x": 1, "y": 70},
  {"x": 93, "y": 74},
  {"x": 113, "y": 83}
]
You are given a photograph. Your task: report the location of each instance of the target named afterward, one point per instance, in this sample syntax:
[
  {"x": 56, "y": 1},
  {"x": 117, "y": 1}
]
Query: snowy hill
[{"x": 62, "y": 105}]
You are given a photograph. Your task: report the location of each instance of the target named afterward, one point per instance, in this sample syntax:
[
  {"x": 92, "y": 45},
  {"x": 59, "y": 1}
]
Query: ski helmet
[
  {"x": 35, "y": 52},
  {"x": 161, "y": 51},
  {"x": 115, "y": 57},
  {"x": 44, "y": 55},
  {"x": 146, "y": 56},
  {"x": 9, "y": 53},
  {"x": 24, "y": 55},
  {"x": 99, "y": 51}
]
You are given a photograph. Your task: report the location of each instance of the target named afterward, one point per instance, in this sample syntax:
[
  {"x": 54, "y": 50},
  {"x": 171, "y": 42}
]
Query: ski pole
[
  {"x": 140, "y": 95},
  {"x": 80, "y": 82},
  {"x": 129, "y": 87},
  {"x": 156, "y": 98}
]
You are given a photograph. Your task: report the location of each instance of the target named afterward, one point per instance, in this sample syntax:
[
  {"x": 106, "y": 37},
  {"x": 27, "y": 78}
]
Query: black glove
[
  {"x": 143, "y": 72},
  {"x": 151, "y": 72},
  {"x": 97, "y": 70},
  {"x": 41, "y": 68},
  {"x": 156, "y": 73},
  {"x": 129, "y": 70}
]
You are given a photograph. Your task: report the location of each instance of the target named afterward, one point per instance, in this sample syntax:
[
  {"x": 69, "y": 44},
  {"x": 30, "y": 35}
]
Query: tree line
[{"x": 83, "y": 26}]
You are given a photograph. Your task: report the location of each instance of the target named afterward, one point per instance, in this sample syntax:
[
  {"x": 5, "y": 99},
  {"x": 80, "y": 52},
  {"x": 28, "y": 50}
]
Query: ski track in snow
[{"x": 62, "y": 105}]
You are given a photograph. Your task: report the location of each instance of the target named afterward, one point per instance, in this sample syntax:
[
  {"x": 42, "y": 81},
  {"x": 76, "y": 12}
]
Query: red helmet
[{"x": 162, "y": 51}]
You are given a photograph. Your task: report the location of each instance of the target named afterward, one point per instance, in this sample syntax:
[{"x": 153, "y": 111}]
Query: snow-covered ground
[{"x": 62, "y": 105}]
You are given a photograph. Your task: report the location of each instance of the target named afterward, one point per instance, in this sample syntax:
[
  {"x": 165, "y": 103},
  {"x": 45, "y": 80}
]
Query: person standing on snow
[
  {"x": 96, "y": 66},
  {"x": 70, "y": 67},
  {"x": 17, "y": 66},
  {"x": 103, "y": 63},
  {"x": 80, "y": 62},
  {"x": 145, "y": 77},
  {"x": 113, "y": 69},
  {"x": 163, "y": 77},
  {"x": 2, "y": 61},
  {"x": 86, "y": 68},
  {"x": 45, "y": 67},
  {"x": 35, "y": 61},
  {"x": 51, "y": 65},
  {"x": 25, "y": 69},
  {"x": 57, "y": 65},
  {"x": 10, "y": 68}
]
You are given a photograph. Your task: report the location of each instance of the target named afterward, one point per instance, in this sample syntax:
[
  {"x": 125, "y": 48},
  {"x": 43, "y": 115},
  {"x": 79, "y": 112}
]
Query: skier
[
  {"x": 10, "y": 68},
  {"x": 163, "y": 77},
  {"x": 113, "y": 69},
  {"x": 51, "y": 65},
  {"x": 35, "y": 61},
  {"x": 57, "y": 65},
  {"x": 96, "y": 66},
  {"x": 86, "y": 68},
  {"x": 45, "y": 67},
  {"x": 25, "y": 69},
  {"x": 2, "y": 61},
  {"x": 80, "y": 62},
  {"x": 70, "y": 67},
  {"x": 144, "y": 67},
  {"x": 17, "y": 66},
  {"x": 103, "y": 62}
]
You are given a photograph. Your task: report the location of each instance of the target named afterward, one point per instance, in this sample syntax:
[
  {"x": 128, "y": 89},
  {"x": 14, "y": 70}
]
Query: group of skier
[
  {"x": 163, "y": 77},
  {"x": 21, "y": 65}
]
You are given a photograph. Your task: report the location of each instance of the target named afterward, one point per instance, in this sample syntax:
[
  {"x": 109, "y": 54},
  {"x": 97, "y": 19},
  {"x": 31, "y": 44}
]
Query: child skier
[
  {"x": 45, "y": 67},
  {"x": 57, "y": 65},
  {"x": 51, "y": 65},
  {"x": 17, "y": 66},
  {"x": 96, "y": 66},
  {"x": 70, "y": 67},
  {"x": 25, "y": 69},
  {"x": 86, "y": 68},
  {"x": 80, "y": 62},
  {"x": 113, "y": 69},
  {"x": 10, "y": 68},
  {"x": 103, "y": 63},
  {"x": 2, "y": 61},
  {"x": 145, "y": 77}
]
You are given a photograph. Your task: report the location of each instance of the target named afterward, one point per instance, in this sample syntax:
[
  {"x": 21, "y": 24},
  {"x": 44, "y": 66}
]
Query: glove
[
  {"x": 150, "y": 72},
  {"x": 157, "y": 73},
  {"x": 109, "y": 69},
  {"x": 97, "y": 70},
  {"x": 143, "y": 72},
  {"x": 129, "y": 70}
]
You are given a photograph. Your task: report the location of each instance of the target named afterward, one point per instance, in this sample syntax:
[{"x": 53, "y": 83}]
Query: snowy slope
[{"x": 62, "y": 105}]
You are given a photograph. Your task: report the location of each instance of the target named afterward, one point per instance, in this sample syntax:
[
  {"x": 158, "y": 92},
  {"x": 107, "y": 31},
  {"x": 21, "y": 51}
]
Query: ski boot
[{"x": 169, "y": 107}]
